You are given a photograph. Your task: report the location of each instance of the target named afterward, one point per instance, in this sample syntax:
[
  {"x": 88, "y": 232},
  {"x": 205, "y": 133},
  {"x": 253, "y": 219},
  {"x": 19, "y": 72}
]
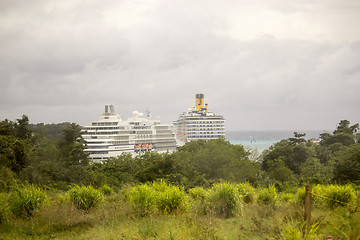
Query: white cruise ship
[
  {"x": 110, "y": 136},
  {"x": 198, "y": 123}
]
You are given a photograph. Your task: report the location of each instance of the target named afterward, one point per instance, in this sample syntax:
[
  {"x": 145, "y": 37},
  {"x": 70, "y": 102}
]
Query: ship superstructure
[
  {"x": 110, "y": 136},
  {"x": 198, "y": 123}
]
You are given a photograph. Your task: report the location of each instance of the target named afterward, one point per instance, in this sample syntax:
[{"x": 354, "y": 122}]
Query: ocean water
[{"x": 261, "y": 140}]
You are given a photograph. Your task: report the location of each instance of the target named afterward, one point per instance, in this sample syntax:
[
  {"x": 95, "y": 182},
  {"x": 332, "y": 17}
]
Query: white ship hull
[{"x": 110, "y": 136}]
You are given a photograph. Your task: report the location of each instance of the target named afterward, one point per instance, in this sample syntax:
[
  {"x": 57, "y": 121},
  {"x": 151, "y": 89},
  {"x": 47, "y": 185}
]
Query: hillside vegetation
[{"x": 205, "y": 190}]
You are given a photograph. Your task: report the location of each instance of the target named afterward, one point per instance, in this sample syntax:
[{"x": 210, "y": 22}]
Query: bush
[
  {"x": 27, "y": 199},
  {"x": 299, "y": 231},
  {"x": 106, "y": 189},
  {"x": 224, "y": 200},
  {"x": 159, "y": 196},
  {"x": 142, "y": 199},
  {"x": 197, "y": 193},
  {"x": 85, "y": 197},
  {"x": 247, "y": 192},
  {"x": 287, "y": 197},
  {"x": 268, "y": 196},
  {"x": 169, "y": 198},
  {"x": 336, "y": 195},
  {"x": 4, "y": 208}
]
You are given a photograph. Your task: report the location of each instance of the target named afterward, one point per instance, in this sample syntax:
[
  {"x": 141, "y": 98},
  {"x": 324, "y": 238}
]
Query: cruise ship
[
  {"x": 198, "y": 123},
  {"x": 111, "y": 136}
]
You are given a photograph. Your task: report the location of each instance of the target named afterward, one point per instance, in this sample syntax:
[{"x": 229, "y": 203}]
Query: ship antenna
[{"x": 148, "y": 114}]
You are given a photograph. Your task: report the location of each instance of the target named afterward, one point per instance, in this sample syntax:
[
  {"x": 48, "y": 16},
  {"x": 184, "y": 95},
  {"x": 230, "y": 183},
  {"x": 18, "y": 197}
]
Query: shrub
[
  {"x": 224, "y": 200},
  {"x": 142, "y": 198},
  {"x": 300, "y": 195},
  {"x": 159, "y": 196},
  {"x": 27, "y": 199},
  {"x": 287, "y": 197},
  {"x": 106, "y": 189},
  {"x": 268, "y": 196},
  {"x": 85, "y": 197},
  {"x": 197, "y": 193},
  {"x": 299, "y": 231},
  {"x": 247, "y": 192},
  {"x": 169, "y": 198},
  {"x": 337, "y": 195},
  {"x": 4, "y": 208}
]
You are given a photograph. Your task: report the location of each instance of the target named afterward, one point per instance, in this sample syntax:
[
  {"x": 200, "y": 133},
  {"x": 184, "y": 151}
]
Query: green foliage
[
  {"x": 8, "y": 179},
  {"x": 347, "y": 164},
  {"x": 219, "y": 160},
  {"x": 296, "y": 231},
  {"x": 53, "y": 132},
  {"x": 268, "y": 196},
  {"x": 157, "y": 197},
  {"x": 142, "y": 198},
  {"x": 85, "y": 197},
  {"x": 26, "y": 200},
  {"x": 287, "y": 197},
  {"x": 247, "y": 192},
  {"x": 4, "y": 208},
  {"x": 224, "y": 200},
  {"x": 197, "y": 193},
  {"x": 169, "y": 198},
  {"x": 106, "y": 189},
  {"x": 13, "y": 153},
  {"x": 334, "y": 195}
]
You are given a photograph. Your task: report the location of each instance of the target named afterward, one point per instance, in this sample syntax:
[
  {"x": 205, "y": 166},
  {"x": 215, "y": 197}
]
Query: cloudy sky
[{"x": 263, "y": 64}]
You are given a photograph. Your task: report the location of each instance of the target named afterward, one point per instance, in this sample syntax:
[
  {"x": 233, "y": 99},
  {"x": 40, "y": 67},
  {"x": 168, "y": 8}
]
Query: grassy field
[{"x": 196, "y": 214}]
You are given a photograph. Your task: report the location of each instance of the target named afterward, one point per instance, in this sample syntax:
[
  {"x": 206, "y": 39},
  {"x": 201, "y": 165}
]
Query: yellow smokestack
[
  {"x": 201, "y": 101},
  {"x": 197, "y": 104},
  {"x": 206, "y": 108}
]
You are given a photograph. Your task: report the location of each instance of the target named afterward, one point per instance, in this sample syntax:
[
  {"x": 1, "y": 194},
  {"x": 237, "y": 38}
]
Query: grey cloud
[{"x": 64, "y": 61}]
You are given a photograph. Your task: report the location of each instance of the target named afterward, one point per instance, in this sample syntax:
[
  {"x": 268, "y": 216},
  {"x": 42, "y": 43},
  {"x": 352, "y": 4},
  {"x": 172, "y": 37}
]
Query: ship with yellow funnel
[{"x": 199, "y": 123}]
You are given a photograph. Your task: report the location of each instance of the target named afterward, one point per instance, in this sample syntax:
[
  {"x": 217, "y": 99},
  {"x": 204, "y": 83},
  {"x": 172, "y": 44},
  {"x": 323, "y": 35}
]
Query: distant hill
[{"x": 52, "y": 131}]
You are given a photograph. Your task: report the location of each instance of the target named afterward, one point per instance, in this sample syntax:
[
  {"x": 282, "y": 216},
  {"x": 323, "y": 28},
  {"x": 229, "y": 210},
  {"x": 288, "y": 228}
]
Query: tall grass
[
  {"x": 268, "y": 196},
  {"x": 247, "y": 192},
  {"x": 157, "y": 197},
  {"x": 169, "y": 198},
  {"x": 224, "y": 200},
  {"x": 197, "y": 193},
  {"x": 85, "y": 197},
  {"x": 299, "y": 231},
  {"x": 4, "y": 208},
  {"x": 26, "y": 200},
  {"x": 106, "y": 189}
]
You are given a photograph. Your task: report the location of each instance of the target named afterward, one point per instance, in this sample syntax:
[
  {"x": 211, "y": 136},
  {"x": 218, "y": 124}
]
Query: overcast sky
[{"x": 263, "y": 64}]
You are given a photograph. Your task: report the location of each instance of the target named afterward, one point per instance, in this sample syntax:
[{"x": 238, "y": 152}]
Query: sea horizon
[{"x": 261, "y": 140}]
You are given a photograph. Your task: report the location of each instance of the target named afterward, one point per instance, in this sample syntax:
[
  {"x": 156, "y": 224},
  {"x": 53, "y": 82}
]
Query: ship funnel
[
  {"x": 112, "y": 109},
  {"x": 106, "y": 108},
  {"x": 199, "y": 102}
]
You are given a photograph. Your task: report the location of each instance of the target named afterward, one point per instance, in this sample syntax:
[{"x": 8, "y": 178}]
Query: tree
[
  {"x": 22, "y": 128},
  {"x": 347, "y": 164},
  {"x": 298, "y": 138},
  {"x": 72, "y": 146},
  {"x": 344, "y": 134},
  {"x": 278, "y": 170},
  {"x": 72, "y": 154}
]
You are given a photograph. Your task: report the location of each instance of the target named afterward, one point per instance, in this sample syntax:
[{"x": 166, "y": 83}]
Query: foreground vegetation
[
  {"x": 160, "y": 210},
  {"x": 205, "y": 190}
]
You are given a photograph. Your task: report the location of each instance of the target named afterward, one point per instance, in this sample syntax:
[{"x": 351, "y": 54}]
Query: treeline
[{"x": 53, "y": 156}]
